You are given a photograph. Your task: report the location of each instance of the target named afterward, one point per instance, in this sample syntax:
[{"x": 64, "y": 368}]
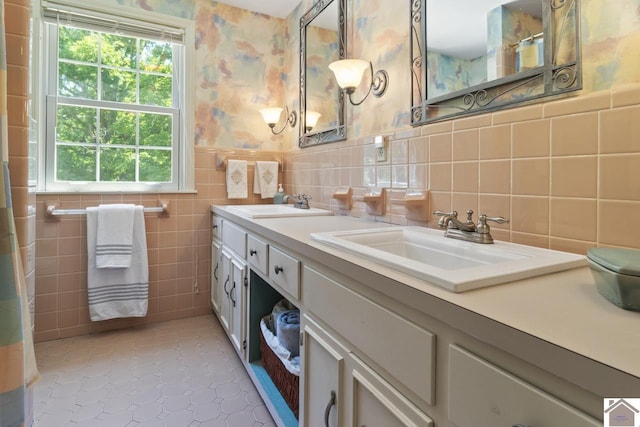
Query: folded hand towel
[
  {"x": 118, "y": 292},
  {"x": 282, "y": 305},
  {"x": 237, "y": 179},
  {"x": 288, "y": 327},
  {"x": 114, "y": 236},
  {"x": 265, "y": 179}
]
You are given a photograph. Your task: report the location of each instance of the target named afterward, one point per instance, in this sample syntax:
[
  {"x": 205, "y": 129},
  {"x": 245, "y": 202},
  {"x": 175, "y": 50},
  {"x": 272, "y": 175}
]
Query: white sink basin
[
  {"x": 274, "y": 211},
  {"x": 453, "y": 264}
]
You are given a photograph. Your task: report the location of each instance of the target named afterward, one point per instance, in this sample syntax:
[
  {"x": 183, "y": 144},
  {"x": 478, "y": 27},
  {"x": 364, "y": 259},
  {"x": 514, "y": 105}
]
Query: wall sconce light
[
  {"x": 349, "y": 73},
  {"x": 311, "y": 119},
  {"x": 271, "y": 117}
]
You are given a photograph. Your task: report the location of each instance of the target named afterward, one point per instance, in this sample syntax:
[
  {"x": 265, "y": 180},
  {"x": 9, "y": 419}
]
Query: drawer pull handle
[
  {"x": 215, "y": 271},
  {"x": 327, "y": 411},
  {"x": 225, "y": 286},
  {"x": 215, "y": 226},
  {"x": 277, "y": 269},
  {"x": 252, "y": 252}
]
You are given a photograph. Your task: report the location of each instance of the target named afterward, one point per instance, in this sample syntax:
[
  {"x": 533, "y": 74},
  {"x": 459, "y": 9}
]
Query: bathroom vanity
[{"x": 383, "y": 348}]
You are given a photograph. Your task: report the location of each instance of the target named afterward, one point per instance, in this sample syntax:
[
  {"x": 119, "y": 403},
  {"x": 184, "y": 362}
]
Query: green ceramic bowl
[{"x": 617, "y": 275}]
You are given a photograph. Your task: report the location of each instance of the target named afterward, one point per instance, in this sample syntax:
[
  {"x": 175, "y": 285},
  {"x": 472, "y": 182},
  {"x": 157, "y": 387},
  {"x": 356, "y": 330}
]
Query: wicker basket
[{"x": 287, "y": 383}]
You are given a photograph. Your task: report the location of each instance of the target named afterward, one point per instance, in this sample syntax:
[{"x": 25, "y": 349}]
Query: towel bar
[
  {"x": 53, "y": 211},
  {"x": 221, "y": 159}
]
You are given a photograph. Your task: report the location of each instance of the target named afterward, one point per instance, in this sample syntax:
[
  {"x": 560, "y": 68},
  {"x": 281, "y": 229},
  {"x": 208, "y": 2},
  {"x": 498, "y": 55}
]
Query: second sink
[{"x": 455, "y": 265}]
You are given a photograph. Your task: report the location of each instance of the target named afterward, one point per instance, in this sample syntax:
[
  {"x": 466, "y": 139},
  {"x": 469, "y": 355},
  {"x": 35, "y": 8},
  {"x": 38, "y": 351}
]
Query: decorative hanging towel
[
  {"x": 237, "y": 179},
  {"x": 265, "y": 181}
]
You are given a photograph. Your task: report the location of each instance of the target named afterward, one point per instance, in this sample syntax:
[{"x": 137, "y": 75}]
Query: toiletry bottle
[{"x": 278, "y": 198}]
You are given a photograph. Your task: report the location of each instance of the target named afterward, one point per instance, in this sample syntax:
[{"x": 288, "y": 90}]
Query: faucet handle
[
  {"x": 443, "y": 222},
  {"x": 500, "y": 220},
  {"x": 483, "y": 227},
  {"x": 441, "y": 213}
]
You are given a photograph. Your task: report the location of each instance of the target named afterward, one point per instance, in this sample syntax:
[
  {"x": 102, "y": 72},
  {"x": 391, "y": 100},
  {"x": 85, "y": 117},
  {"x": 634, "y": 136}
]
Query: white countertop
[{"x": 561, "y": 309}]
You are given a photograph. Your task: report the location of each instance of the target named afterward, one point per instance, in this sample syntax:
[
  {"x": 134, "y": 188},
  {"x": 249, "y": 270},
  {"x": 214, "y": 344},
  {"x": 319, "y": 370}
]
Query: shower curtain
[{"x": 17, "y": 360}]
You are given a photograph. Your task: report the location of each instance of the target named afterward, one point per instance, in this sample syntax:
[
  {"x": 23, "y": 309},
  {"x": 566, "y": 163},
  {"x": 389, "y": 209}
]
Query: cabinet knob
[
  {"x": 252, "y": 252},
  {"x": 327, "y": 411},
  {"x": 277, "y": 269}
]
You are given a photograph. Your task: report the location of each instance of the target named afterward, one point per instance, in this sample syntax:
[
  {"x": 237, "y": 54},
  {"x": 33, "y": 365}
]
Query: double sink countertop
[{"x": 557, "y": 321}]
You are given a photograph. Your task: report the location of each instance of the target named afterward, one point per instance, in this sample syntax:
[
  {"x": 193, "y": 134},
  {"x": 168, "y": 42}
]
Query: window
[{"x": 114, "y": 111}]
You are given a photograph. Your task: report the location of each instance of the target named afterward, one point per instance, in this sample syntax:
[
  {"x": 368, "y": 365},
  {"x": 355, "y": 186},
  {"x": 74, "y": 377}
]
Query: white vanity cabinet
[{"x": 368, "y": 357}]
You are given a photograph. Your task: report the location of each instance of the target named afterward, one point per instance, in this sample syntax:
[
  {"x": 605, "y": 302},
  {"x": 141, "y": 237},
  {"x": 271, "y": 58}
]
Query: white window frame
[{"x": 183, "y": 154}]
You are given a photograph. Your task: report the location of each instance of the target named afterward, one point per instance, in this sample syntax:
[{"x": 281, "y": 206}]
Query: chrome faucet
[
  {"x": 300, "y": 201},
  {"x": 467, "y": 230}
]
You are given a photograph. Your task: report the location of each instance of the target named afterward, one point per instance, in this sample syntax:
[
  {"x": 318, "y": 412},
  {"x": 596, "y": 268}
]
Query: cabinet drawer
[
  {"x": 235, "y": 238},
  {"x": 284, "y": 270},
  {"x": 216, "y": 227},
  {"x": 403, "y": 349},
  {"x": 483, "y": 395},
  {"x": 257, "y": 255}
]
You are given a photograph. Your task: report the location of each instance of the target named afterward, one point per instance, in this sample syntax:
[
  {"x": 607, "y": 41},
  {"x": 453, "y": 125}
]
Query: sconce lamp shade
[
  {"x": 311, "y": 119},
  {"x": 271, "y": 116},
  {"x": 349, "y": 72}
]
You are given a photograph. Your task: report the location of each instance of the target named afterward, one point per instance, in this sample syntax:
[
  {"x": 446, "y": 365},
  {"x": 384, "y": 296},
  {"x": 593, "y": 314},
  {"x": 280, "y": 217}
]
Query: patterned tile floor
[{"x": 173, "y": 374}]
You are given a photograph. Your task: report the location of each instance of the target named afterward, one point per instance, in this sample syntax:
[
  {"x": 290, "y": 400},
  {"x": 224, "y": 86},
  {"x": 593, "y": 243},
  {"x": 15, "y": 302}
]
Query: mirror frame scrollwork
[
  {"x": 551, "y": 78},
  {"x": 338, "y": 133}
]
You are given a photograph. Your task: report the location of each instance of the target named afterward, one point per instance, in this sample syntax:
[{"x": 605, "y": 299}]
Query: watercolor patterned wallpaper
[{"x": 246, "y": 61}]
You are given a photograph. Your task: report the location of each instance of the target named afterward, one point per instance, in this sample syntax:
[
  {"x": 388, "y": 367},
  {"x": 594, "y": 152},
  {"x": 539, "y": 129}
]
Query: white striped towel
[
  {"x": 114, "y": 237},
  {"x": 265, "y": 181},
  {"x": 118, "y": 292},
  {"x": 237, "y": 179}
]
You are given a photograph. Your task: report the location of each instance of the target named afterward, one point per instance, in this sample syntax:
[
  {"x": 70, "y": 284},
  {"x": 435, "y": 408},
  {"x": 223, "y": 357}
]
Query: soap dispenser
[{"x": 278, "y": 198}]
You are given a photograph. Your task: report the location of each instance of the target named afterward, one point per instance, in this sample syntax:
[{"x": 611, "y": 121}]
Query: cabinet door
[
  {"x": 322, "y": 377},
  {"x": 238, "y": 304},
  {"x": 377, "y": 403},
  {"x": 216, "y": 275},
  {"x": 223, "y": 290}
]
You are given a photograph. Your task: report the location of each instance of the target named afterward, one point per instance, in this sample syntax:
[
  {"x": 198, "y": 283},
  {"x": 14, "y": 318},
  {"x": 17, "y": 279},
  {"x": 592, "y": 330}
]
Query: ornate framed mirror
[
  {"x": 490, "y": 54},
  {"x": 322, "y": 41}
]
